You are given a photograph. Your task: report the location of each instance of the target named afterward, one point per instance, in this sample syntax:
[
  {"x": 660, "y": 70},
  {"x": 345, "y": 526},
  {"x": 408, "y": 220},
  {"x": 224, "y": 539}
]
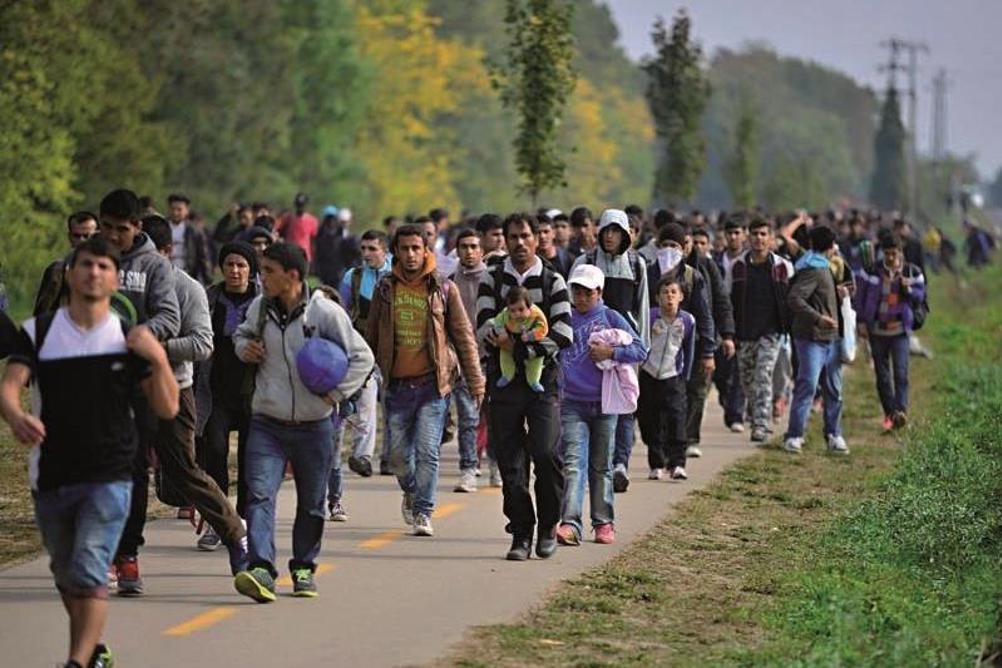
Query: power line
[{"x": 897, "y": 47}]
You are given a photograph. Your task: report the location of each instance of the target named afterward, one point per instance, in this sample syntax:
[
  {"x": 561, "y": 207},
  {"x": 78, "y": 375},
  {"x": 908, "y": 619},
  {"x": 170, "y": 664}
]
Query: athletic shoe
[
  {"x": 257, "y": 584},
  {"x": 304, "y": 584},
  {"x": 129, "y": 582},
  {"x": 693, "y": 451},
  {"x": 112, "y": 576},
  {"x": 546, "y": 543},
  {"x": 736, "y": 427},
  {"x": 360, "y": 465},
  {"x": 185, "y": 512},
  {"x": 209, "y": 541},
  {"x": 477, "y": 472},
  {"x": 537, "y": 388},
  {"x": 337, "y": 512},
  {"x": 567, "y": 535},
  {"x": 605, "y": 534},
  {"x": 407, "y": 509},
  {"x": 899, "y": 420},
  {"x": 520, "y": 548},
  {"x": 837, "y": 445},
  {"x": 102, "y": 657},
  {"x": 888, "y": 423},
  {"x": 502, "y": 382},
  {"x": 794, "y": 445},
  {"x": 678, "y": 473},
  {"x": 384, "y": 467},
  {"x": 655, "y": 474},
  {"x": 467, "y": 481},
  {"x": 422, "y": 525},
  {"x": 759, "y": 435},
  {"x": 495, "y": 475},
  {"x": 620, "y": 479}
]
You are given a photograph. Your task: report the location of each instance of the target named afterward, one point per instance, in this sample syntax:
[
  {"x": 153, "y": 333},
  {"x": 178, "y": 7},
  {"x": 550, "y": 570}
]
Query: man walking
[{"x": 191, "y": 252}]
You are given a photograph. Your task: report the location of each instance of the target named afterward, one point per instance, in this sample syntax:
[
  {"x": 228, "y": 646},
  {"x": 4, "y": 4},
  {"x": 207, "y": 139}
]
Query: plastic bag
[{"x": 849, "y": 346}]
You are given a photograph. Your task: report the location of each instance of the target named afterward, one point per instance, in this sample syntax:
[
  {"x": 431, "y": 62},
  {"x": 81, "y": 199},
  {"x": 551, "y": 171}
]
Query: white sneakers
[
  {"x": 693, "y": 451},
  {"x": 467, "y": 481},
  {"x": 837, "y": 445},
  {"x": 794, "y": 444},
  {"x": 678, "y": 473},
  {"x": 655, "y": 474},
  {"x": 422, "y": 525}
]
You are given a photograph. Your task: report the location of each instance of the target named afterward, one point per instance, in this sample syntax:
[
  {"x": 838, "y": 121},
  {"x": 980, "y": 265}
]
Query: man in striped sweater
[{"x": 523, "y": 423}]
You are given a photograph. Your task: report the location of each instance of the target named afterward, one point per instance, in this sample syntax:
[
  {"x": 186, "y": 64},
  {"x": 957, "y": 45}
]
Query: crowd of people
[{"x": 553, "y": 335}]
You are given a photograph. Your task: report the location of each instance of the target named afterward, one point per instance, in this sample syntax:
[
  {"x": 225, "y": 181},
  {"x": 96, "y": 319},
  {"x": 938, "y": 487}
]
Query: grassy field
[{"x": 890, "y": 556}]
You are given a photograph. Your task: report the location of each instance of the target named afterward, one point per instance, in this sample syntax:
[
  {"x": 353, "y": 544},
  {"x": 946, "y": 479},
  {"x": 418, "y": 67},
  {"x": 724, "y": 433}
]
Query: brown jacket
[{"x": 449, "y": 333}]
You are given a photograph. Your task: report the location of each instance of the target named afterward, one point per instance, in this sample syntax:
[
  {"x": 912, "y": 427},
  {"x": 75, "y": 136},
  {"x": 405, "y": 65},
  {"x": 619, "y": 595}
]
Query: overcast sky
[{"x": 963, "y": 36}]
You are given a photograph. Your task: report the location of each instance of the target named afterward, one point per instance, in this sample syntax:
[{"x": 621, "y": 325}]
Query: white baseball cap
[{"x": 587, "y": 276}]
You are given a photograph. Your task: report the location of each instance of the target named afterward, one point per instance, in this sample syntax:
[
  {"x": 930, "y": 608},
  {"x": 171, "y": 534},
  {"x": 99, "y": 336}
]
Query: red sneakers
[
  {"x": 566, "y": 535},
  {"x": 605, "y": 534},
  {"x": 129, "y": 582}
]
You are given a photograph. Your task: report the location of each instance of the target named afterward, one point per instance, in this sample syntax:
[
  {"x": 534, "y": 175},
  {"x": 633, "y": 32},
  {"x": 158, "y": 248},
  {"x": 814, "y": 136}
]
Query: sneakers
[
  {"x": 759, "y": 435},
  {"x": 304, "y": 584},
  {"x": 568, "y": 535},
  {"x": 605, "y": 534},
  {"x": 129, "y": 582},
  {"x": 407, "y": 509},
  {"x": 209, "y": 541},
  {"x": 837, "y": 445},
  {"x": 112, "y": 576},
  {"x": 520, "y": 548},
  {"x": 794, "y": 444},
  {"x": 102, "y": 657},
  {"x": 337, "y": 512},
  {"x": 693, "y": 451},
  {"x": 360, "y": 465},
  {"x": 467, "y": 481},
  {"x": 537, "y": 388},
  {"x": 678, "y": 473},
  {"x": 620, "y": 479},
  {"x": 899, "y": 420},
  {"x": 546, "y": 543},
  {"x": 655, "y": 474},
  {"x": 384, "y": 467},
  {"x": 495, "y": 474},
  {"x": 888, "y": 423},
  {"x": 502, "y": 382},
  {"x": 422, "y": 525},
  {"x": 736, "y": 427},
  {"x": 257, "y": 584}
]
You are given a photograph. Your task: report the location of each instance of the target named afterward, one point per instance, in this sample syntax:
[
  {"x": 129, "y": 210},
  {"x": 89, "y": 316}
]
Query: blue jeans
[
  {"x": 468, "y": 417},
  {"x": 81, "y": 525},
  {"x": 587, "y": 435},
  {"x": 270, "y": 444},
  {"x": 335, "y": 481},
  {"x": 888, "y": 350},
  {"x": 817, "y": 362},
  {"x": 416, "y": 415},
  {"x": 625, "y": 426}
]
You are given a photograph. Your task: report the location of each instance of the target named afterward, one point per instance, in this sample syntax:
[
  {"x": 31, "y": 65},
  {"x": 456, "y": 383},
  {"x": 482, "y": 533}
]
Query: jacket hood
[
  {"x": 615, "y": 217},
  {"x": 428, "y": 268},
  {"x": 141, "y": 245},
  {"x": 812, "y": 260}
]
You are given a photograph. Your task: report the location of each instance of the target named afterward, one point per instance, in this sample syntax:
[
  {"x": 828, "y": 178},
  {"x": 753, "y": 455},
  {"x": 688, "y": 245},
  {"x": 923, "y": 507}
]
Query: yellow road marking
[
  {"x": 286, "y": 580},
  {"x": 202, "y": 621},
  {"x": 446, "y": 509},
  {"x": 380, "y": 540}
]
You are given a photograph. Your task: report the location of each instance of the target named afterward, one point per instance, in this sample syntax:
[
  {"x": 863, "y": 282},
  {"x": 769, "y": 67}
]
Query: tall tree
[
  {"x": 888, "y": 189},
  {"x": 677, "y": 92},
  {"x": 536, "y": 79},
  {"x": 742, "y": 168}
]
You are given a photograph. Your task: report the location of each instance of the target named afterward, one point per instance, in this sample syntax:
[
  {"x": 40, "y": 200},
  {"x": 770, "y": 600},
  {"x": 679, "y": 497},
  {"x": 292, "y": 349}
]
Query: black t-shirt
[
  {"x": 84, "y": 382},
  {"x": 8, "y": 335},
  {"x": 762, "y": 312}
]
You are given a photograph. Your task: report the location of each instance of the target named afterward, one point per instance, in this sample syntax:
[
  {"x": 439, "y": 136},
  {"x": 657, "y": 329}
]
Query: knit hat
[
  {"x": 241, "y": 248},
  {"x": 257, "y": 232}
]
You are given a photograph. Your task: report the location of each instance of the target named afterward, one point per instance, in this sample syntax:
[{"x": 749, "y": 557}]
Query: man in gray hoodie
[
  {"x": 146, "y": 280},
  {"x": 289, "y": 422}
]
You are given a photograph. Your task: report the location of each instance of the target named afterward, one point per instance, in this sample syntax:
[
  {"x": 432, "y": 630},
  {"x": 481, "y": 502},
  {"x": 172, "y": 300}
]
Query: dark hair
[
  {"x": 290, "y": 256},
  {"x": 757, "y": 222},
  {"x": 178, "y": 197},
  {"x": 518, "y": 294},
  {"x": 438, "y": 214},
  {"x": 520, "y": 219},
  {"x": 465, "y": 233},
  {"x": 389, "y": 220},
  {"x": 78, "y": 217},
  {"x": 580, "y": 216},
  {"x": 121, "y": 204},
  {"x": 146, "y": 202},
  {"x": 671, "y": 279},
  {"x": 97, "y": 247},
  {"x": 822, "y": 238},
  {"x": 409, "y": 230},
  {"x": 544, "y": 220},
  {"x": 260, "y": 205},
  {"x": 375, "y": 235},
  {"x": 561, "y": 218},
  {"x": 158, "y": 230},
  {"x": 265, "y": 222},
  {"x": 701, "y": 231},
  {"x": 888, "y": 240},
  {"x": 634, "y": 210},
  {"x": 488, "y": 222},
  {"x": 663, "y": 217}
]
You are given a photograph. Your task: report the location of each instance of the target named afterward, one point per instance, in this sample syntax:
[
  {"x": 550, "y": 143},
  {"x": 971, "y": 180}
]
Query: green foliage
[
  {"x": 888, "y": 189},
  {"x": 742, "y": 169},
  {"x": 677, "y": 93},
  {"x": 536, "y": 80}
]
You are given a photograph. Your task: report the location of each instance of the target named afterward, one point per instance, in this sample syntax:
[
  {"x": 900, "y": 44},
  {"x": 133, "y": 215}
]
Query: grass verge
[{"x": 888, "y": 557}]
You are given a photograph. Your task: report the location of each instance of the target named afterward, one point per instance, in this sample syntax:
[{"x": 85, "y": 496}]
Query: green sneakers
[
  {"x": 304, "y": 585},
  {"x": 257, "y": 584}
]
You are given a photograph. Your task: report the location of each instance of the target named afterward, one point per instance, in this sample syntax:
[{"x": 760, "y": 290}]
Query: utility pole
[
  {"x": 897, "y": 46},
  {"x": 939, "y": 87}
]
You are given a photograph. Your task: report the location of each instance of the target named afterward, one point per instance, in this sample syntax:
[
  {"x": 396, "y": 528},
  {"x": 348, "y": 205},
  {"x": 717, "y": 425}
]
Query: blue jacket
[{"x": 582, "y": 378}]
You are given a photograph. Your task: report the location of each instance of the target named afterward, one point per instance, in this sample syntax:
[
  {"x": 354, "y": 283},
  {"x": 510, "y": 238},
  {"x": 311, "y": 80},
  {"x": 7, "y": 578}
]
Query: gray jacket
[
  {"x": 813, "y": 295},
  {"x": 278, "y": 391},
  {"x": 194, "y": 341},
  {"x": 147, "y": 279}
]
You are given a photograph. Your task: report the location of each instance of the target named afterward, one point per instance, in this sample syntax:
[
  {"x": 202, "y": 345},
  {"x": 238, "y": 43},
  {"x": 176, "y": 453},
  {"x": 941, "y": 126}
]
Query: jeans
[
  {"x": 893, "y": 391},
  {"x": 817, "y": 361},
  {"x": 309, "y": 446},
  {"x": 335, "y": 481},
  {"x": 587, "y": 436},
  {"x": 81, "y": 525},
  {"x": 416, "y": 415},
  {"x": 468, "y": 417},
  {"x": 662, "y": 411},
  {"x": 625, "y": 429},
  {"x": 363, "y": 421}
]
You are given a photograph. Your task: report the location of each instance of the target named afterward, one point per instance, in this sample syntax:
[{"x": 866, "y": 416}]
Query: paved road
[{"x": 386, "y": 598}]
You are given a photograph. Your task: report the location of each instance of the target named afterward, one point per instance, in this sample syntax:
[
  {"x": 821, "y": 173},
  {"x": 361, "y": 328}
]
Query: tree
[
  {"x": 888, "y": 189},
  {"x": 536, "y": 80},
  {"x": 742, "y": 168},
  {"x": 677, "y": 92},
  {"x": 995, "y": 190}
]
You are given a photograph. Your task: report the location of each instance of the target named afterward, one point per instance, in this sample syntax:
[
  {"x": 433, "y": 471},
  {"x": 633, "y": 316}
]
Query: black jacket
[
  {"x": 719, "y": 298},
  {"x": 781, "y": 271}
]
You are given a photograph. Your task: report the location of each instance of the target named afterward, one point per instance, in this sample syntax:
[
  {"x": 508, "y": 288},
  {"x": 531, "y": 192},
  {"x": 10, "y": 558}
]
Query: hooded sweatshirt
[
  {"x": 194, "y": 340},
  {"x": 410, "y": 321},
  {"x": 146, "y": 278},
  {"x": 582, "y": 377},
  {"x": 467, "y": 281}
]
